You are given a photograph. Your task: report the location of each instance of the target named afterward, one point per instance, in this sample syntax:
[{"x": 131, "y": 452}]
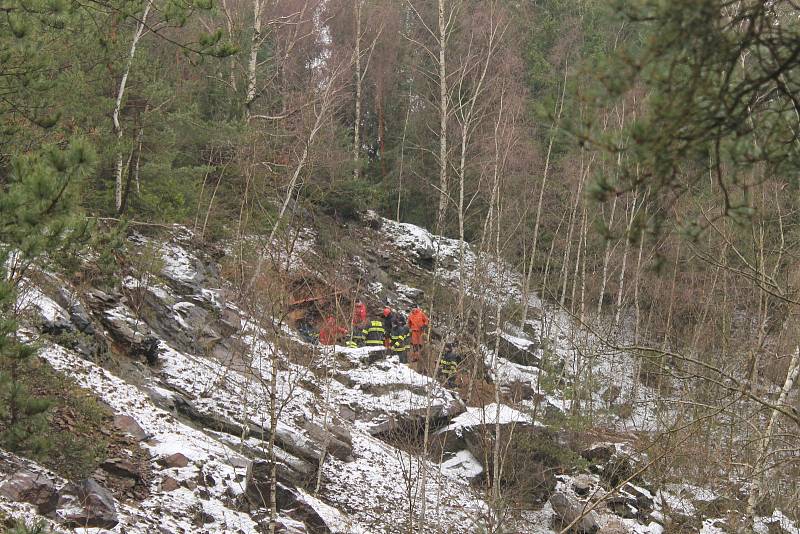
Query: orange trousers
[{"x": 416, "y": 337}]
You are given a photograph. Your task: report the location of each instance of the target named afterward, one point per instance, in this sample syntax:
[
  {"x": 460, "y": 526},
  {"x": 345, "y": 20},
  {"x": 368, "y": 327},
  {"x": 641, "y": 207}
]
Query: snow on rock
[
  {"x": 367, "y": 489},
  {"x": 519, "y": 342},
  {"x": 462, "y": 465},
  {"x": 238, "y": 393},
  {"x": 666, "y": 500},
  {"x": 695, "y": 493},
  {"x": 509, "y": 373},
  {"x": 489, "y": 415},
  {"x": 379, "y": 392},
  {"x": 710, "y": 528},
  {"x": 387, "y": 474},
  {"x": 484, "y": 272},
  {"x": 338, "y": 522},
  {"x": 31, "y": 297},
  {"x": 406, "y": 293},
  {"x": 26, "y": 513},
  {"x": 226, "y": 466}
]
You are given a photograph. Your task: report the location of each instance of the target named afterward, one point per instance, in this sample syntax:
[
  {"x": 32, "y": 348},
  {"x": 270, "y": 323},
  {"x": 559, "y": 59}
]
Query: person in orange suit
[
  {"x": 330, "y": 332},
  {"x": 418, "y": 323},
  {"x": 359, "y": 314}
]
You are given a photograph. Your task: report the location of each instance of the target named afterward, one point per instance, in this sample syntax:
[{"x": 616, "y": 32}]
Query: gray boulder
[
  {"x": 138, "y": 338},
  {"x": 258, "y": 492},
  {"x": 57, "y": 327},
  {"x": 568, "y": 510},
  {"x": 582, "y": 484},
  {"x": 128, "y": 424},
  {"x": 599, "y": 453},
  {"x": 521, "y": 355},
  {"x": 87, "y": 505},
  {"x": 174, "y": 460},
  {"x": 100, "y": 299},
  {"x": 80, "y": 318},
  {"x": 337, "y": 445},
  {"x": 32, "y": 488}
]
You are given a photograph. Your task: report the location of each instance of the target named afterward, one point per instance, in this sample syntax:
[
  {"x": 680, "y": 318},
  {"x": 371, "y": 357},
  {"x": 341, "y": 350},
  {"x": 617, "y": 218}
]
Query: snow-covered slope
[{"x": 348, "y": 434}]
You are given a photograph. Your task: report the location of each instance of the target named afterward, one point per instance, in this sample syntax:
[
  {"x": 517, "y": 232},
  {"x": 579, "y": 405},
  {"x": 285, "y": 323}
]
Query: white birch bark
[
  {"x": 443, "y": 115},
  {"x": 623, "y": 267},
  {"x": 118, "y": 168},
  {"x": 252, "y": 60},
  {"x": 766, "y": 441}
]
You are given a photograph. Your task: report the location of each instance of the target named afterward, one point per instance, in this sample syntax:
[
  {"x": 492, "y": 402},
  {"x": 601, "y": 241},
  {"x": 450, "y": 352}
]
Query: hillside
[{"x": 200, "y": 394}]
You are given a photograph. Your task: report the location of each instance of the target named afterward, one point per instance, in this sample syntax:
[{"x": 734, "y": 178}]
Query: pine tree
[
  {"x": 39, "y": 220},
  {"x": 722, "y": 90}
]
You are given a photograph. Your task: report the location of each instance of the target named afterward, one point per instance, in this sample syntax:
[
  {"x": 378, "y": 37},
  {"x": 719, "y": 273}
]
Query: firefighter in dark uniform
[
  {"x": 357, "y": 338},
  {"x": 401, "y": 338},
  {"x": 374, "y": 335},
  {"x": 448, "y": 365}
]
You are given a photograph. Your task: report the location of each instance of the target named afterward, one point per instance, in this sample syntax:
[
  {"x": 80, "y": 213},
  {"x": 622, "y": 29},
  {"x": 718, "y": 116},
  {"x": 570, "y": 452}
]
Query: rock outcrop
[
  {"x": 33, "y": 488},
  {"x": 86, "y": 505},
  {"x": 571, "y": 513}
]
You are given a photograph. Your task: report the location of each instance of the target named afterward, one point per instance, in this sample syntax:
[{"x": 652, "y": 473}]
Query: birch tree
[
  {"x": 119, "y": 185},
  {"x": 470, "y": 110},
  {"x": 446, "y": 19}
]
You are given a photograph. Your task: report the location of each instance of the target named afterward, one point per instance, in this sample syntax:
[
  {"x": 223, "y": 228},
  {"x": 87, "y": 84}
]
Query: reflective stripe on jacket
[
  {"x": 374, "y": 333},
  {"x": 448, "y": 364},
  {"x": 401, "y": 339},
  {"x": 356, "y": 338}
]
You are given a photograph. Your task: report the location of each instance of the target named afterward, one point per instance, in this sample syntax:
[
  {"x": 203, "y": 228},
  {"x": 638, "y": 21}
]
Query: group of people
[{"x": 391, "y": 329}]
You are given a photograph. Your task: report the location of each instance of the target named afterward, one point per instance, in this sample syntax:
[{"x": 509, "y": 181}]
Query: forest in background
[{"x": 636, "y": 160}]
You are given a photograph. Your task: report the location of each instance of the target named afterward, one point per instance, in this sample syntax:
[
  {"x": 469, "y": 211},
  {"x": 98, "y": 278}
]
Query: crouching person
[
  {"x": 448, "y": 365},
  {"x": 357, "y": 338}
]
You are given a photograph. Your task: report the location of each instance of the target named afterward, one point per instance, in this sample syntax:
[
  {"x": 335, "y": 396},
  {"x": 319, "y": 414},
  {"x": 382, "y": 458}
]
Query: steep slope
[{"x": 199, "y": 380}]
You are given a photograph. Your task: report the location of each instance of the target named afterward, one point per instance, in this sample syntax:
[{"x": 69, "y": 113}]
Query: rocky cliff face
[{"x": 190, "y": 376}]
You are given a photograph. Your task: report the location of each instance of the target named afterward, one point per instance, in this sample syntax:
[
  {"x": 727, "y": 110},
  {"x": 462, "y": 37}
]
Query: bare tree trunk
[
  {"x": 498, "y": 169},
  {"x": 623, "y": 267},
  {"x": 379, "y": 98},
  {"x": 119, "y": 166},
  {"x": 637, "y": 304},
  {"x": 402, "y": 160},
  {"x": 252, "y": 62},
  {"x": 443, "y": 115},
  {"x": 606, "y": 259},
  {"x": 273, "y": 422},
  {"x": 468, "y": 120},
  {"x": 665, "y": 342},
  {"x": 137, "y": 166},
  {"x": 766, "y": 441},
  {"x": 532, "y": 261},
  {"x": 231, "y": 60},
  {"x": 357, "y": 5},
  {"x": 584, "y": 172},
  {"x": 578, "y": 254},
  {"x": 321, "y": 109}
]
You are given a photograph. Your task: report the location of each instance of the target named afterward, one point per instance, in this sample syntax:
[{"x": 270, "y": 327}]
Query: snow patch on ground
[{"x": 168, "y": 436}]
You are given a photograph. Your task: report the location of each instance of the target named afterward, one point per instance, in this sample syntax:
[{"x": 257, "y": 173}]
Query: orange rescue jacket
[{"x": 417, "y": 320}]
